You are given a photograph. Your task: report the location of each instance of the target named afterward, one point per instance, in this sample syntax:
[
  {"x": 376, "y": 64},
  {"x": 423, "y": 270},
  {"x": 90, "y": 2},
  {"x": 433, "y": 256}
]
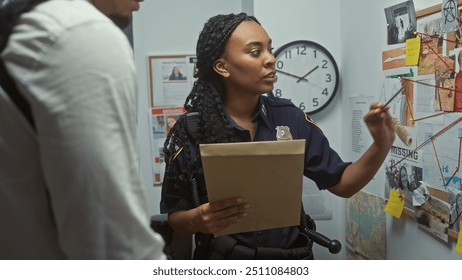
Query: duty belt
[{"x": 226, "y": 247}]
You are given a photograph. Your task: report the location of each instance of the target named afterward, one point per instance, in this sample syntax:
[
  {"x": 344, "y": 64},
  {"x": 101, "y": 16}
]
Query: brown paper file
[{"x": 268, "y": 175}]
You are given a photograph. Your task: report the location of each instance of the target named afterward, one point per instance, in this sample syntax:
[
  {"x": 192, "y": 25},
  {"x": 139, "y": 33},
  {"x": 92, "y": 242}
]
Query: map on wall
[{"x": 365, "y": 227}]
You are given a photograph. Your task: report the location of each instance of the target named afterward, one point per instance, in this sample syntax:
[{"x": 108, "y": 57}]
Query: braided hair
[{"x": 207, "y": 96}]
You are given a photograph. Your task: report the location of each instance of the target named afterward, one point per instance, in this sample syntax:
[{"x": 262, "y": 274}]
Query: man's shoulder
[
  {"x": 67, "y": 14},
  {"x": 49, "y": 21}
]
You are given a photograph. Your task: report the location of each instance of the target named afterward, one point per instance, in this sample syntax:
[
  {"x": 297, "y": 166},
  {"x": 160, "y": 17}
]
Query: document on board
[{"x": 267, "y": 174}]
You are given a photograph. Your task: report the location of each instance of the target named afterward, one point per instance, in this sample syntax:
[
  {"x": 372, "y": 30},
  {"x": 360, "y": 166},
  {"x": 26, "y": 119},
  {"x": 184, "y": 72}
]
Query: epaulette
[
  {"x": 178, "y": 150},
  {"x": 176, "y": 147},
  {"x": 308, "y": 119}
]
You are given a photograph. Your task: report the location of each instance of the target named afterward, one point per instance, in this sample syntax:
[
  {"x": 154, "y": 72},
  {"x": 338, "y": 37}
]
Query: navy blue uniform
[{"x": 322, "y": 164}]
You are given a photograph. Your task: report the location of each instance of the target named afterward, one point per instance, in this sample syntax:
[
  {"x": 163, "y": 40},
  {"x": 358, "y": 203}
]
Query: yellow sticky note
[
  {"x": 395, "y": 205},
  {"x": 459, "y": 240},
  {"x": 412, "y": 51}
]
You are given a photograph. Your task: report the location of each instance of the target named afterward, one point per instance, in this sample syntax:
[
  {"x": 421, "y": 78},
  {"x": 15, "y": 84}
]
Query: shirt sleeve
[
  {"x": 322, "y": 164},
  {"x": 177, "y": 194},
  {"x": 82, "y": 91}
]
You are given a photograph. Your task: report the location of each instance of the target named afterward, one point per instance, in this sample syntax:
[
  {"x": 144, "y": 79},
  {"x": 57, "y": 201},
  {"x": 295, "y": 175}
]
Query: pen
[{"x": 394, "y": 96}]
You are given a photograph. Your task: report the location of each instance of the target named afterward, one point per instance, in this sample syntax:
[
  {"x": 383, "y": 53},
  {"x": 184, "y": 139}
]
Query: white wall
[{"x": 354, "y": 31}]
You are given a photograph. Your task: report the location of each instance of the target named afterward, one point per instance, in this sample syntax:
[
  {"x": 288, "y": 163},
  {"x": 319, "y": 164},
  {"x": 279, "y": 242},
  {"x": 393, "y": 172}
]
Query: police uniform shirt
[{"x": 322, "y": 164}]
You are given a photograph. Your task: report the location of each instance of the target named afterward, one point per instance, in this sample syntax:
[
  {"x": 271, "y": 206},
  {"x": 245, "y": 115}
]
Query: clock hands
[
  {"x": 304, "y": 79},
  {"x": 304, "y": 76},
  {"x": 292, "y": 75}
]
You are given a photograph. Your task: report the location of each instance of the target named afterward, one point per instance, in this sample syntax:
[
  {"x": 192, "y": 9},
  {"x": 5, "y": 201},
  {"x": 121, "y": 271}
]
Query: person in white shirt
[{"x": 70, "y": 189}]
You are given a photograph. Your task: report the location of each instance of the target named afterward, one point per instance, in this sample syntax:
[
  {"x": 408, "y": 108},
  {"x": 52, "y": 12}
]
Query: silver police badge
[{"x": 283, "y": 133}]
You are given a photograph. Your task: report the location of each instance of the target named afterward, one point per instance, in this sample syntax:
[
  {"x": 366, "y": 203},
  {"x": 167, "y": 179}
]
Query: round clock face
[{"x": 307, "y": 75}]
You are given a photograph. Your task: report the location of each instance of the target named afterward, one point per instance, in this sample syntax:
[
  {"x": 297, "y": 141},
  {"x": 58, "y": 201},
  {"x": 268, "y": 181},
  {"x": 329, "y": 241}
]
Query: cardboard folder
[{"x": 268, "y": 175}]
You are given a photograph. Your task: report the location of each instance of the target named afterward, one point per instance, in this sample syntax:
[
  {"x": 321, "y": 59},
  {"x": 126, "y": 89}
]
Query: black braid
[{"x": 208, "y": 93}]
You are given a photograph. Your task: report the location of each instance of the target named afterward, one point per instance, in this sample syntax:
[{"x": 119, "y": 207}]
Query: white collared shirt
[{"x": 76, "y": 70}]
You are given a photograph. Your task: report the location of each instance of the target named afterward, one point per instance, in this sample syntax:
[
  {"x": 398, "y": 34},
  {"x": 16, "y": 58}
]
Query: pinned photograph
[
  {"x": 433, "y": 218},
  {"x": 401, "y": 21}
]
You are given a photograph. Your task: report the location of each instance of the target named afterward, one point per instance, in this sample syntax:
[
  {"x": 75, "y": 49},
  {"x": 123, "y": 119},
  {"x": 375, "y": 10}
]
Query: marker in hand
[{"x": 394, "y": 96}]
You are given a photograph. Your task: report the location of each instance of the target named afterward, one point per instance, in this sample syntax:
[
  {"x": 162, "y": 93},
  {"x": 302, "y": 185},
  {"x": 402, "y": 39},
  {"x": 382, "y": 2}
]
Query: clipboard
[{"x": 267, "y": 174}]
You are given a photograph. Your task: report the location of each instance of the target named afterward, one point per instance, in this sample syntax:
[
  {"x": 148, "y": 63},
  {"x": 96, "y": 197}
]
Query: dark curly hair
[{"x": 207, "y": 97}]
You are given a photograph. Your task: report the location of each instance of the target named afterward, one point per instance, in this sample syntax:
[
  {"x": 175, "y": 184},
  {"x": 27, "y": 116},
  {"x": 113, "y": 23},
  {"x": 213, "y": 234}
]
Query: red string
[
  {"x": 432, "y": 138},
  {"x": 408, "y": 105},
  {"x": 437, "y": 36},
  {"x": 458, "y": 216},
  {"x": 431, "y": 116},
  {"x": 438, "y": 161},
  {"x": 430, "y": 85},
  {"x": 446, "y": 128},
  {"x": 458, "y": 165},
  {"x": 439, "y": 56}
]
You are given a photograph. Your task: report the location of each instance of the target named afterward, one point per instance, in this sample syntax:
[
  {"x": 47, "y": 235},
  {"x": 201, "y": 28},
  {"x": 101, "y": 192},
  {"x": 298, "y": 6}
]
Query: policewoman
[{"x": 236, "y": 67}]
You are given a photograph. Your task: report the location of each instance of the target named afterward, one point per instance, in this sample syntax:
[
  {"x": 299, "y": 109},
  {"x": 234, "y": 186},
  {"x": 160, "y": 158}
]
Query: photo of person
[
  {"x": 407, "y": 179},
  {"x": 171, "y": 121},
  {"x": 392, "y": 175},
  {"x": 403, "y": 178},
  {"x": 416, "y": 178},
  {"x": 401, "y": 20},
  {"x": 176, "y": 74},
  {"x": 405, "y": 184}
]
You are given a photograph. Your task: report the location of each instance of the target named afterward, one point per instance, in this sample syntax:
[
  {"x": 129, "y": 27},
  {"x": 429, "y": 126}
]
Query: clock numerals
[
  {"x": 329, "y": 78},
  {"x": 325, "y": 92},
  {"x": 279, "y": 64},
  {"x": 301, "y": 50},
  {"x": 278, "y": 93},
  {"x": 315, "y": 102}
]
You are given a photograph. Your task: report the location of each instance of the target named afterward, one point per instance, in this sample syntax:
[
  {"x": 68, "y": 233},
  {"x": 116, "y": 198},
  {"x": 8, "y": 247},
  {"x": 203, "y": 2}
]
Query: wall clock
[{"x": 307, "y": 75}]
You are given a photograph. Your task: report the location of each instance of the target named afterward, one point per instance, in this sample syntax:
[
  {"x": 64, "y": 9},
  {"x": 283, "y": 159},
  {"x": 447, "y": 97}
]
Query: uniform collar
[
  {"x": 232, "y": 123},
  {"x": 262, "y": 112}
]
